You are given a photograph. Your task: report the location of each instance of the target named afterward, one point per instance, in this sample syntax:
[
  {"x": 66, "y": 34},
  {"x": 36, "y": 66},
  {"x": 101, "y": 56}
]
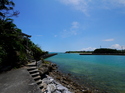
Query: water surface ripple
[{"x": 104, "y": 72}]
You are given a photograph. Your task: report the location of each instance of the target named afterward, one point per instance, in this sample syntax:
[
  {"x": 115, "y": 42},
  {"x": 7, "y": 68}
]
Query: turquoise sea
[{"x": 104, "y": 72}]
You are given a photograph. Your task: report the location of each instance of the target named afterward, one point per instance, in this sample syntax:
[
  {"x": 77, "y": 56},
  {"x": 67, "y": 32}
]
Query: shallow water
[{"x": 104, "y": 72}]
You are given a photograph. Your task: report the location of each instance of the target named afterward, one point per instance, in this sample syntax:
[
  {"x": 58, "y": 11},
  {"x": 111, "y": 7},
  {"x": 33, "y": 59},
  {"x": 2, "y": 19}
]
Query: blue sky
[{"x": 62, "y": 25}]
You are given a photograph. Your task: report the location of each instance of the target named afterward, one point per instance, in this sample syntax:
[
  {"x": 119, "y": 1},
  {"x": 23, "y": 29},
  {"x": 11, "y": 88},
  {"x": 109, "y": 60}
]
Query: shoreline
[
  {"x": 49, "y": 55},
  {"x": 102, "y": 54},
  {"x": 51, "y": 69}
]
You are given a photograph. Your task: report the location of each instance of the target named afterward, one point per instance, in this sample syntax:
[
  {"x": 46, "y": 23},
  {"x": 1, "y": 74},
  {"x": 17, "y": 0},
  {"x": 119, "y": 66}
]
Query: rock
[
  {"x": 51, "y": 88},
  {"x": 69, "y": 74},
  {"x": 60, "y": 87},
  {"x": 58, "y": 91},
  {"x": 44, "y": 85},
  {"x": 45, "y": 80},
  {"x": 58, "y": 77}
]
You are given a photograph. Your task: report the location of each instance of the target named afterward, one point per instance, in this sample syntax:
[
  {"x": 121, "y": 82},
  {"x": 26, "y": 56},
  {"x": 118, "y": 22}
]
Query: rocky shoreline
[
  {"x": 52, "y": 86},
  {"x": 51, "y": 76}
]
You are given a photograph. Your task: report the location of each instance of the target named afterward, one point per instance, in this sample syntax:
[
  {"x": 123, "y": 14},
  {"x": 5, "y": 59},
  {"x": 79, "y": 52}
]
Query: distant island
[
  {"x": 78, "y": 51},
  {"x": 100, "y": 51}
]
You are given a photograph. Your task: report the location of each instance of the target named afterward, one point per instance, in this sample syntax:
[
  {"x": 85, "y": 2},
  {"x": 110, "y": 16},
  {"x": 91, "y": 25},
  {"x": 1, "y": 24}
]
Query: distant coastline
[
  {"x": 48, "y": 55},
  {"x": 102, "y": 54},
  {"x": 101, "y": 51}
]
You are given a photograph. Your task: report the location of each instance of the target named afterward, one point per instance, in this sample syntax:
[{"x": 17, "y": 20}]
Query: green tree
[
  {"x": 13, "y": 43},
  {"x": 105, "y": 50},
  {"x": 7, "y": 9},
  {"x": 10, "y": 42},
  {"x": 9, "y": 34}
]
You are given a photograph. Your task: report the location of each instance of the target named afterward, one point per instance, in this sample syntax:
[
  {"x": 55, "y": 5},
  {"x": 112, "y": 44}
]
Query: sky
[{"x": 73, "y": 25}]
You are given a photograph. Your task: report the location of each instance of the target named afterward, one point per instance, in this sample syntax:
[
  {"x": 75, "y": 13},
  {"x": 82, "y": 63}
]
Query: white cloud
[
  {"x": 81, "y": 5},
  {"x": 117, "y": 46},
  {"x": 88, "y": 49},
  {"x": 109, "y": 39},
  {"x": 73, "y": 30},
  {"x": 117, "y": 2},
  {"x": 112, "y": 4},
  {"x": 74, "y": 2},
  {"x": 121, "y": 1},
  {"x": 75, "y": 25},
  {"x": 86, "y": 5}
]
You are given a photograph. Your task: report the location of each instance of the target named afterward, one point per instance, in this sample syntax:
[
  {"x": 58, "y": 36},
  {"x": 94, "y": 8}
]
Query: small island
[{"x": 100, "y": 51}]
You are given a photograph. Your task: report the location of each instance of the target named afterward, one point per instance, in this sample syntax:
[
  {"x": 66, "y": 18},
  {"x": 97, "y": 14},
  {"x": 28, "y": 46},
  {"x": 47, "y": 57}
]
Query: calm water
[{"x": 104, "y": 72}]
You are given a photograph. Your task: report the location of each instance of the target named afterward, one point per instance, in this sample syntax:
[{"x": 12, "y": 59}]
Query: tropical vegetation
[
  {"x": 15, "y": 46},
  {"x": 107, "y": 50}
]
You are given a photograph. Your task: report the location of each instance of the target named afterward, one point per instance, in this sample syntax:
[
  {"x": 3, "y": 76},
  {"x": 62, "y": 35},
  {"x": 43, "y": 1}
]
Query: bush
[
  {"x": 3, "y": 55},
  {"x": 105, "y": 50}
]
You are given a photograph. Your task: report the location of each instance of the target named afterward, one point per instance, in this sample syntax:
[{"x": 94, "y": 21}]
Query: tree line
[
  {"x": 15, "y": 46},
  {"x": 107, "y": 50},
  {"x": 100, "y": 50}
]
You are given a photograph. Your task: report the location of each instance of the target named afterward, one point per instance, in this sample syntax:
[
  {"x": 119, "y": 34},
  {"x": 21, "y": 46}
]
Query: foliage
[
  {"x": 47, "y": 62},
  {"x": 78, "y": 51},
  {"x": 3, "y": 54},
  {"x": 15, "y": 47},
  {"x": 7, "y": 9},
  {"x": 10, "y": 42},
  {"x": 106, "y": 50},
  {"x": 37, "y": 52}
]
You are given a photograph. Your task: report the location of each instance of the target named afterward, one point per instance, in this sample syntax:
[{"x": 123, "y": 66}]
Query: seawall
[
  {"x": 48, "y": 55},
  {"x": 102, "y": 54}
]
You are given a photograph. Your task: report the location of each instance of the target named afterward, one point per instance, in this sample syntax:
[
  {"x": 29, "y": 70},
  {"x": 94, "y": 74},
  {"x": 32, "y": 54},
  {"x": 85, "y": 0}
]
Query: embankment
[
  {"x": 48, "y": 55},
  {"x": 50, "y": 69},
  {"x": 102, "y": 54}
]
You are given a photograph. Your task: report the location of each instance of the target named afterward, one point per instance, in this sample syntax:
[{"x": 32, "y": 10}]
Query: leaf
[
  {"x": 12, "y": 3},
  {"x": 10, "y": 8}
]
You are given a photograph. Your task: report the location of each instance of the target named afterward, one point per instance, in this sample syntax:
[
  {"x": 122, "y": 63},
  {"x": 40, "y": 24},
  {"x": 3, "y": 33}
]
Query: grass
[{"x": 46, "y": 62}]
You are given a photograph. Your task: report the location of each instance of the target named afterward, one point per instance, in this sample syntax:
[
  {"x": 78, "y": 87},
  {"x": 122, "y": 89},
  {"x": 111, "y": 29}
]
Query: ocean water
[{"x": 103, "y": 72}]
